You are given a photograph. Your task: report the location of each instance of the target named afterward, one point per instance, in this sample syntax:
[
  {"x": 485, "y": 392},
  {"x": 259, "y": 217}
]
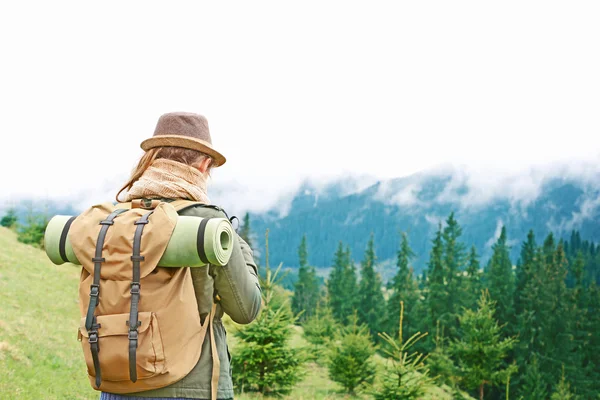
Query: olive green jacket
[{"x": 240, "y": 297}]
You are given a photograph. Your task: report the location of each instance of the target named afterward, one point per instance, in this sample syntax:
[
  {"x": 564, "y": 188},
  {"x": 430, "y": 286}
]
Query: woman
[{"x": 176, "y": 165}]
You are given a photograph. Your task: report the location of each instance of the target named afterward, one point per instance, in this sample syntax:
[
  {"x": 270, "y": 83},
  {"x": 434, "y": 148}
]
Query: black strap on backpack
[
  {"x": 91, "y": 324},
  {"x": 62, "y": 244},
  {"x": 195, "y": 204},
  {"x": 134, "y": 323}
]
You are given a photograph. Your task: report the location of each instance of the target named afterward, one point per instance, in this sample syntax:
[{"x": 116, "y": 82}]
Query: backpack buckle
[
  {"x": 94, "y": 290},
  {"x": 135, "y": 288},
  {"x": 133, "y": 334},
  {"x": 93, "y": 336}
]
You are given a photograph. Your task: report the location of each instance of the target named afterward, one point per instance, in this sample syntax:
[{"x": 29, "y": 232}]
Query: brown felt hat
[{"x": 187, "y": 130}]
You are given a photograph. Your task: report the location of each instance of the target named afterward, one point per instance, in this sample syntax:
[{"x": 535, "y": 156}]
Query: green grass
[{"x": 40, "y": 357}]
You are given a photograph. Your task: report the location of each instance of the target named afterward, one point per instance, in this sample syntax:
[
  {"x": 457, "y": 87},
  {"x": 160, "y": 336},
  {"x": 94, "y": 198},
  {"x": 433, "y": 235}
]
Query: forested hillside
[
  {"x": 417, "y": 205},
  {"x": 528, "y": 326}
]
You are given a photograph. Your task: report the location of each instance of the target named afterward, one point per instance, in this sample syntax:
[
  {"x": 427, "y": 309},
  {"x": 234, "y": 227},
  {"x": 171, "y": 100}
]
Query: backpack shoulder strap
[{"x": 181, "y": 205}]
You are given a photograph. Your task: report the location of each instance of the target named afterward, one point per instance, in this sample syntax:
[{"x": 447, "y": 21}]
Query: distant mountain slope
[
  {"x": 349, "y": 210},
  {"x": 417, "y": 204}
]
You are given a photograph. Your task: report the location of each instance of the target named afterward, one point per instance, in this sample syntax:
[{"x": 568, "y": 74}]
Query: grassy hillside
[{"x": 40, "y": 357}]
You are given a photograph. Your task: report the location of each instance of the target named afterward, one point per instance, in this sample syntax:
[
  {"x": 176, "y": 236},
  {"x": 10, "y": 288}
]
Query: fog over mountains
[
  {"x": 557, "y": 200},
  {"x": 551, "y": 199}
]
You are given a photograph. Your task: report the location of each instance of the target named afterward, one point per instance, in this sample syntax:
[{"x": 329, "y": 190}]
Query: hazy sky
[{"x": 295, "y": 89}]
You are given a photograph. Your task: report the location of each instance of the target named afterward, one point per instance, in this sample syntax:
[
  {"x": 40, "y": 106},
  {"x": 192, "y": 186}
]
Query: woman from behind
[{"x": 176, "y": 165}]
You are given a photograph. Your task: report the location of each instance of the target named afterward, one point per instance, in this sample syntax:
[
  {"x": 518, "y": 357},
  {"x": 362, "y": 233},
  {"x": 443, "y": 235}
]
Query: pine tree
[
  {"x": 563, "y": 390},
  {"x": 264, "y": 361},
  {"x": 245, "y": 231},
  {"x": 592, "y": 362},
  {"x": 500, "y": 280},
  {"x": 33, "y": 231},
  {"x": 530, "y": 319},
  {"x": 556, "y": 341},
  {"x": 306, "y": 288},
  {"x": 584, "y": 379},
  {"x": 480, "y": 351},
  {"x": 454, "y": 256},
  {"x": 350, "y": 360},
  {"x": 303, "y": 253},
  {"x": 437, "y": 294},
  {"x": 341, "y": 285},
  {"x": 319, "y": 331},
  {"x": 526, "y": 271},
  {"x": 349, "y": 288},
  {"x": 335, "y": 281},
  {"x": 473, "y": 285},
  {"x": 405, "y": 290},
  {"x": 534, "y": 383},
  {"x": 405, "y": 376},
  {"x": 440, "y": 362},
  {"x": 549, "y": 249},
  {"x": 10, "y": 219},
  {"x": 371, "y": 304}
]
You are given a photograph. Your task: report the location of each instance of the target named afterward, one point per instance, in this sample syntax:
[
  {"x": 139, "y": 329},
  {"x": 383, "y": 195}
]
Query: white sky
[{"x": 295, "y": 89}]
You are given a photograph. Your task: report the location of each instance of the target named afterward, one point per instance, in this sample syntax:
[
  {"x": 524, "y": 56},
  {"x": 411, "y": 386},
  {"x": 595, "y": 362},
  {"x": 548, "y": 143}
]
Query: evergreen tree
[
  {"x": 584, "y": 380},
  {"x": 405, "y": 376},
  {"x": 306, "y": 288},
  {"x": 472, "y": 286},
  {"x": 526, "y": 271},
  {"x": 350, "y": 360},
  {"x": 549, "y": 248},
  {"x": 591, "y": 359},
  {"x": 10, "y": 219},
  {"x": 454, "y": 256},
  {"x": 437, "y": 294},
  {"x": 264, "y": 361},
  {"x": 349, "y": 288},
  {"x": 556, "y": 340},
  {"x": 319, "y": 330},
  {"x": 335, "y": 282},
  {"x": 530, "y": 320},
  {"x": 440, "y": 362},
  {"x": 371, "y": 304},
  {"x": 534, "y": 383},
  {"x": 341, "y": 285},
  {"x": 405, "y": 290},
  {"x": 480, "y": 351},
  {"x": 563, "y": 390},
  {"x": 33, "y": 231},
  {"x": 500, "y": 279},
  {"x": 245, "y": 231}
]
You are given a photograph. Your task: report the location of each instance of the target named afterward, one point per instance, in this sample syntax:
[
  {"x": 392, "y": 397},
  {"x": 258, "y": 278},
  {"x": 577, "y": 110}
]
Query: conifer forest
[{"x": 490, "y": 329}]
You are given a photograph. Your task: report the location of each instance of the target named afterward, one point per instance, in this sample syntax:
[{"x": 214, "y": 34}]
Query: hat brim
[{"x": 186, "y": 143}]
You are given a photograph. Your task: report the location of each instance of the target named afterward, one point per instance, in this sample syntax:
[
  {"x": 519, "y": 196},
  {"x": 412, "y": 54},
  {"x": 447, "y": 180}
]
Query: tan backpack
[{"x": 140, "y": 327}]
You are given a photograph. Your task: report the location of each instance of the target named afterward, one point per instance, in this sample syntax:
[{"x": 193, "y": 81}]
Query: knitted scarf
[{"x": 172, "y": 180}]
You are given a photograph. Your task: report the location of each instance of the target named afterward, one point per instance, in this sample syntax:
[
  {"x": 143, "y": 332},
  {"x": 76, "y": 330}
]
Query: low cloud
[
  {"x": 460, "y": 185},
  {"x": 435, "y": 219},
  {"x": 473, "y": 187},
  {"x": 589, "y": 207},
  {"x": 496, "y": 235}
]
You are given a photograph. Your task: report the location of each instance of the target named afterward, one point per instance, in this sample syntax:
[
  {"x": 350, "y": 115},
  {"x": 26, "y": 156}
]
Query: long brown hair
[{"x": 179, "y": 154}]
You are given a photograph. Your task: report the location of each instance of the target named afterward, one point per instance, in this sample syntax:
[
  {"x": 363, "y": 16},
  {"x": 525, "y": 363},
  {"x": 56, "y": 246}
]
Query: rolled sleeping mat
[{"x": 195, "y": 242}]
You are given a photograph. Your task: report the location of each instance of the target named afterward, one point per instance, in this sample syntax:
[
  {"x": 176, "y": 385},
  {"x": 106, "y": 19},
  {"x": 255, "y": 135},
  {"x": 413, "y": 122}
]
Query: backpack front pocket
[{"x": 113, "y": 341}]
